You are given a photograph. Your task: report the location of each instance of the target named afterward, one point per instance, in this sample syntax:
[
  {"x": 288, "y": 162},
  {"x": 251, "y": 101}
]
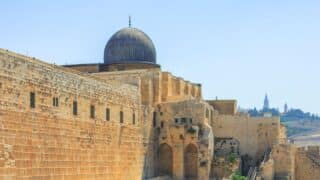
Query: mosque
[{"x": 125, "y": 118}]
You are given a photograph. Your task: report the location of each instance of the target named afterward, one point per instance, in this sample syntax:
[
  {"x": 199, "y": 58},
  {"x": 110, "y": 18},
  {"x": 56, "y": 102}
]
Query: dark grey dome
[{"x": 129, "y": 45}]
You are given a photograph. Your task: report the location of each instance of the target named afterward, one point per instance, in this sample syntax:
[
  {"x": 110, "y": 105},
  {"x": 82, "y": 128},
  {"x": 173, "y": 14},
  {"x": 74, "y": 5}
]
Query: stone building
[{"x": 124, "y": 118}]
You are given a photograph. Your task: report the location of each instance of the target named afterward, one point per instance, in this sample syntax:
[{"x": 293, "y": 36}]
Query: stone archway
[
  {"x": 165, "y": 160},
  {"x": 191, "y": 162}
]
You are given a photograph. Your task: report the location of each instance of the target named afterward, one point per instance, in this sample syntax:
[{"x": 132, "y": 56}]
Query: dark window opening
[
  {"x": 154, "y": 123},
  {"x": 183, "y": 120},
  {"x": 121, "y": 117},
  {"x": 133, "y": 118},
  {"x": 108, "y": 114},
  {"x": 75, "y": 108},
  {"x": 92, "y": 111},
  {"x": 55, "y": 101},
  {"x": 162, "y": 124},
  {"x": 32, "y": 100},
  {"x": 176, "y": 120},
  {"x": 190, "y": 120}
]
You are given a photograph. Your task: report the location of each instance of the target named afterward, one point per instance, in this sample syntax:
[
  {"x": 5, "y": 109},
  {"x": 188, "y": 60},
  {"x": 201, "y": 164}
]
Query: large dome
[{"x": 129, "y": 45}]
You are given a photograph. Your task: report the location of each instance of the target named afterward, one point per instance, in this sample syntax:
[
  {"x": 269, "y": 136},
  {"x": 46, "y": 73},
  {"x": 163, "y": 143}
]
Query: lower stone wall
[
  {"x": 255, "y": 134},
  {"x": 307, "y": 165},
  {"x": 38, "y": 146},
  {"x": 284, "y": 160}
]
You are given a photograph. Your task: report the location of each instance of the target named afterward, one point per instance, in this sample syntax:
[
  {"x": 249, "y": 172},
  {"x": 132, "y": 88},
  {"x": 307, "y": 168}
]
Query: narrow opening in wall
[
  {"x": 32, "y": 100},
  {"x": 121, "y": 117},
  {"x": 133, "y": 118},
  {"x": 108, "y": 114},
  {"x": 92, "y": 111},
  {"x": 55, "y": 101},
  {"x": 154, "y": 123},
  {"x": 162, "y": 124},
  {"x": 75, "y": 108}
]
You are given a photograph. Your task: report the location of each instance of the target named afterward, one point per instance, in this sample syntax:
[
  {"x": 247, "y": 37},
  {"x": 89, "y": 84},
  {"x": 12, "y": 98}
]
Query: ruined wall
[
  {"x": 224, "y": 147},
  {"x": 48, "y": 141},
  {"x": 254, "y": 134},
  {"x": 183, "y": 126}
]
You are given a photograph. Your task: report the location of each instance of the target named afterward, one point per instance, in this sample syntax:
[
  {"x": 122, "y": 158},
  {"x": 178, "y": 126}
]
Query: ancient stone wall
[
  {"x": 266, "y": 170},
  {"x": 177, "y": 89},
  {"x": 41, "y": 136},
  {"x": 224, "y": 147},
  {"x": 283, "y": 156},
  {"x": 155, "y": 86},
  {"x": 183, "y": 126},
  {"x": 254, "y": 134},
  {"x": 307, "y": 164},
  {"x": 224, "y": 106},
  {"x": 85, "y": 68}
]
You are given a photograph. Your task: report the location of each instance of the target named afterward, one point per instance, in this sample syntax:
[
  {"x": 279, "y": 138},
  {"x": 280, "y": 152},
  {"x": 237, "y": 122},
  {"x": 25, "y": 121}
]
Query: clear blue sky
[{"x": 236, "y": 49}]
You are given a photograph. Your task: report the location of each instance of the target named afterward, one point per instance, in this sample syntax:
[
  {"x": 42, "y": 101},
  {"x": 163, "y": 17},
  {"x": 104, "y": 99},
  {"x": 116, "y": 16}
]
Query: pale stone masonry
[{"x": 127, "y": 119}]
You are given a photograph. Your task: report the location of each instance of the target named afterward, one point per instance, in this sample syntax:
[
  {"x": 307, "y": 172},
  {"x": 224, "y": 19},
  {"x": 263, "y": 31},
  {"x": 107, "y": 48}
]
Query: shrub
[
  {"x": 237, "y": 176},
  {"x": 231, "y": 158}
]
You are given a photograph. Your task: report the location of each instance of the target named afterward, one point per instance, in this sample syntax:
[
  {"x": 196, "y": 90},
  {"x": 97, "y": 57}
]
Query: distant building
[
  {"x": 266, "y": 103},
  {"x": 285, "y": 109}
]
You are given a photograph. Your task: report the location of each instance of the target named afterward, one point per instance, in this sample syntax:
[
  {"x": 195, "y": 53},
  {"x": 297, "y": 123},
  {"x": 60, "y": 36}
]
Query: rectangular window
[
  {"x": 162, "y": 124},
  {"x": 55, "y": 101},
  {"x": 133, "y": 118},
  {"x": 32, "y": 100},
  {"x": 121, "y": 117},
  {"x": 75, "y": 108},
  {"x": 183, "y": 120},
  {"x": 108, "y": 114},
  {"x": 154, "y": 123},
  {"x": 92, "y": 111},
  {"x": 176, "y": 120}
]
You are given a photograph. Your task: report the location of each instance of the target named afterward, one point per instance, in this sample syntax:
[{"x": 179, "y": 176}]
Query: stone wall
[
  {"x": 224, "y": 147},
  {"x": 254, "y": 134},
  {"x": 183, "y": 127},
  {"x": 50, "y": 141},
  {"x": 155, "y": 86},
  {"x": 283, "y": 156},
  {"x": 307, "y": 163},
  {"x": 224, "y": 106}
]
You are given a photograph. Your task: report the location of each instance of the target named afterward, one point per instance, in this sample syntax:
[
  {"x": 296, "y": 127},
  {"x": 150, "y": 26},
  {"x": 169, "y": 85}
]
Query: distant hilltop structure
[
  {"x": 291, "y": 114},
  {"x": 285, "y": 108},
  {"x": 266, "y": 102}
]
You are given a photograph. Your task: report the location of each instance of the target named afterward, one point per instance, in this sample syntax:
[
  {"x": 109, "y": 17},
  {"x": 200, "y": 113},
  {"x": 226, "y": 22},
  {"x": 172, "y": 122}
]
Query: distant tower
[
  {"x": 266, "y": 103},
  {"x": 285, "y": 109}
]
